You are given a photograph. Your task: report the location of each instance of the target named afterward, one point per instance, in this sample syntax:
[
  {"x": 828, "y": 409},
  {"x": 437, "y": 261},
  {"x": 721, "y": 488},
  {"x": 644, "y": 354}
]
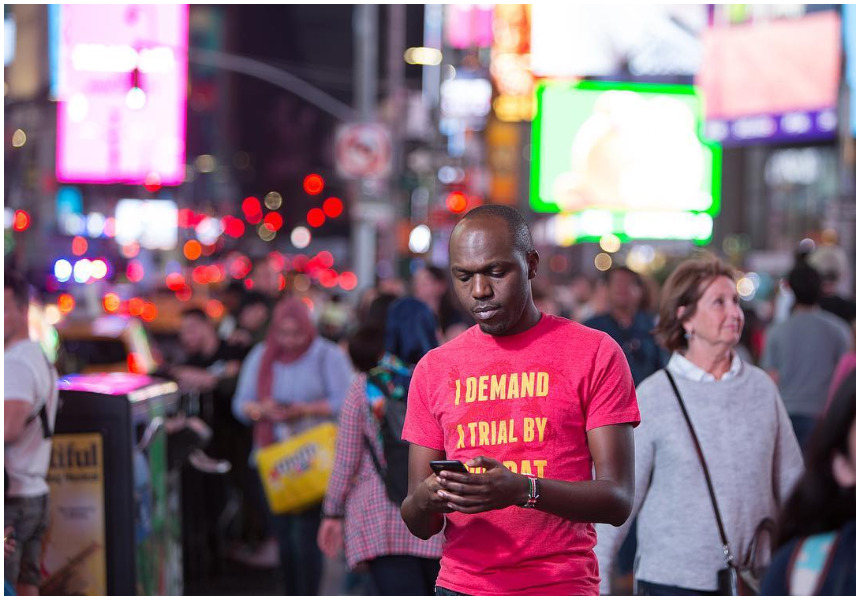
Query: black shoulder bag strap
[
  {"x": 43, "y": 412},
  {"x": 723, "y": 538},
  {"x": 376, "y": 462}
]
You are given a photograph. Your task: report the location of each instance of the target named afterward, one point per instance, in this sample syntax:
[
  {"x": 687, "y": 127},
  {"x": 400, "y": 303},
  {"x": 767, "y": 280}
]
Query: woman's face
[
  {"x": 718, "y": 319},
  {"x": 289, "y": 335}
]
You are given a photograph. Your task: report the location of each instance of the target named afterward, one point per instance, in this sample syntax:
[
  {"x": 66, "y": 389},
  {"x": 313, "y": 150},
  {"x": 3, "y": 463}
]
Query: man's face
[
  {"x": 623, "y": 291},
  {"x": 14, "y": 317},
  {"x": 192, "y": 334},
  {"x": 491, "y": 278}
]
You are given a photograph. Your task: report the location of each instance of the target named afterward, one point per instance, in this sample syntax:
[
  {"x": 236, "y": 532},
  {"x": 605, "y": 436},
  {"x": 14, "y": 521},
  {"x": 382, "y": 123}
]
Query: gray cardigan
[{"x": 753, "y": 458}]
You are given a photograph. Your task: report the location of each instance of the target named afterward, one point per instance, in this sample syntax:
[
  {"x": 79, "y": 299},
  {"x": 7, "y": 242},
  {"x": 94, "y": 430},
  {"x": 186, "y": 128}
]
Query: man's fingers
[
  {"x": 483, "y": 462},
  {"x": 454, "y": 499}
]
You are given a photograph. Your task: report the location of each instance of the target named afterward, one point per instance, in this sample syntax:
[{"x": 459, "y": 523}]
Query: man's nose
[{"x": 481, "y": 287}]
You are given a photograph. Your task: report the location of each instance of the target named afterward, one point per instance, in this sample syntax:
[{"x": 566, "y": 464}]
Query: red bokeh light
[
  {"x": 300, "y": 261},
  {"x": 316, "y": 217},
  {"x": 249, "y": 284},
  {"x": 314, "y": 184},
  {"x": 152, "y": 183},
  {"x": 134, "y": 271},
  {"x": 185, "y": 218},
  {"x": 149, "y": 312},
  {"x": 198, "y": 275},
  {"x": 348, "y": 280},
  {"x": 175, "y": 282},
  {"x": 274, "y": 220},
  {"x": 309, "y": 303},
  {"x": 21, "y": 221},
  {"x": 251, "y": 206},
  {"x": 214, "y": 309},
  {"x": 328, "y": 278},
  {"x": 325, "y": 259},
  {"x": 214, "y": 273},
  {"x": 233, "y": 227},
  {"x": 66, "y": 303},
  {"x": 111, "y": 302},
  {"x": 240, "y": 268},
  {"x": 135, "y": 307},
  {"x": 79, "y": 245},
  {"x": 282, "y": 282},
  {"x": 184, "y": 293},
  {"x": 456, "y": 202},
  {"x": 333, "y": 207}
]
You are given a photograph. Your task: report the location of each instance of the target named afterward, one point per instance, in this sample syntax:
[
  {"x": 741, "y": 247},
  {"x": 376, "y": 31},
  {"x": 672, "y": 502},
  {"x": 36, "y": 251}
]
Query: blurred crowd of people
[{"x": 275, "y": 366}]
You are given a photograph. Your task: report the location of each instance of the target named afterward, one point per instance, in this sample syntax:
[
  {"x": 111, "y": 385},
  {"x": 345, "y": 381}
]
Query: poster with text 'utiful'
[{"x": 74, "y": 551}]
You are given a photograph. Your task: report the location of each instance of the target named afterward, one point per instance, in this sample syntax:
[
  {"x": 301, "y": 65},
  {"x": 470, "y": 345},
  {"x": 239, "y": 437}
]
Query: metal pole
[{"x": 364, "y": 229}]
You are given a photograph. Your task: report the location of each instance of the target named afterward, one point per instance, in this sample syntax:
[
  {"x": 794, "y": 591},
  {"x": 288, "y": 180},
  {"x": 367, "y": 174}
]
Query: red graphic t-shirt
[{"x": 526, "y": 400}]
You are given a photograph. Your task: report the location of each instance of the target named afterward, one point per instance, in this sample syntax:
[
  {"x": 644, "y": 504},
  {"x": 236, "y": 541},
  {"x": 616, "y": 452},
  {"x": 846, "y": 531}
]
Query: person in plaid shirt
[{"x": 358, "y": 512}]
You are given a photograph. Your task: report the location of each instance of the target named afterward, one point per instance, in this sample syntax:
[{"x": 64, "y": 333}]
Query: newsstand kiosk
[{"x": 115, "y": 505}]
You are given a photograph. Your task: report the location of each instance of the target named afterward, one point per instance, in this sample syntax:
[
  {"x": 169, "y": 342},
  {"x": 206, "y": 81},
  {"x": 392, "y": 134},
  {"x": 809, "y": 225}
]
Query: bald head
[{"x": 521, "y": 237}]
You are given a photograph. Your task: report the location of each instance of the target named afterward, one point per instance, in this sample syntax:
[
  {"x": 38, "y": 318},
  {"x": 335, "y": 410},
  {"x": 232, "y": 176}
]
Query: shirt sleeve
[
  {"x": 22, "y": 386},
  {"x": 246, "y": 388},
  {"x": 612, "y": 396},
  {"x": 788, "y": 459},
  {"x": 768, "y": 357},
  {"x": 609, "y": 538},
  {"x": 348, "y": 449},
  {"x": 421, "y": 426},
  {"x": 337, "y": 374}
]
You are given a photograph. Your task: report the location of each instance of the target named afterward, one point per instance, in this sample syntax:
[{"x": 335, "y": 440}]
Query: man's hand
[
  {"x": 428, "y": 498},
  {"x": 472, "y": 493}
]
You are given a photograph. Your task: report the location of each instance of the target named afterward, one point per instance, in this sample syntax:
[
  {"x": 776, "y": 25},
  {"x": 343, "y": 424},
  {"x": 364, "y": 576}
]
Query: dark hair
[
  {"x": 197, "y": 313},
  {"x": 366, "y": 346},
  {"x": 13, "y": 280},
  {"x": 517, "y": 225},
  {"x": 252, "y": 298},
  {"x": 805, "y": 283},
  {"x": 683, "y": 289},
  {"x": 410, "y": 331},
  {"x": 819, "y": 503},
  {"x": 377, "y": 312},
  {"x": 607, "y": 275}
]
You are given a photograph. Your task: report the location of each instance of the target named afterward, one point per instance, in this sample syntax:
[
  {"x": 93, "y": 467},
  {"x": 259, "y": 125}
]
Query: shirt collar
[{"x": 682, "y": 367}]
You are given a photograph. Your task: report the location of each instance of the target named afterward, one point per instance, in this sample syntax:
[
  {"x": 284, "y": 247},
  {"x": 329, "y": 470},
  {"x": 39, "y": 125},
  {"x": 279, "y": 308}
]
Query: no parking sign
[{"x": 363, "y": 150}]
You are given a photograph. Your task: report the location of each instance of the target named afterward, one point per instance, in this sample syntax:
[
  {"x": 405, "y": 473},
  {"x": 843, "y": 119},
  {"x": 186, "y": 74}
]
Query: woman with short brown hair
[{"x": 741, "y": 425}]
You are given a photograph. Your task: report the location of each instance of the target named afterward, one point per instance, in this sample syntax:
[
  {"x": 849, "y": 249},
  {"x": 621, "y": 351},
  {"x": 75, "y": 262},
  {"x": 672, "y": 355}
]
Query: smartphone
[{"x": 455, "y": 466}]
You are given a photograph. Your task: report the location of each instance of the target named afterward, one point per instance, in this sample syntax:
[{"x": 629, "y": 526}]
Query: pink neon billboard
[{"x": 123, "y": 72}]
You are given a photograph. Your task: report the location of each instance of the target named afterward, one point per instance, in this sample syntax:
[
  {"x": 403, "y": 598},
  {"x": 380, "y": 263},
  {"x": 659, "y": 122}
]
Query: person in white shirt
[{"x": 29, "y": 412}]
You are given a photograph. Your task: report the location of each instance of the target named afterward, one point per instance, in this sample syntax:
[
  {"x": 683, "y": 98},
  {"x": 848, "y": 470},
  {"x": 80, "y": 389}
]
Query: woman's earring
[{"x": 688, "y": 335}]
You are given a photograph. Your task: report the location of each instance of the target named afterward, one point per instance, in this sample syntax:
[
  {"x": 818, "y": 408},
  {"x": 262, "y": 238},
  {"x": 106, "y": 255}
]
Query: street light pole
[{"x": 366, "y": 78}]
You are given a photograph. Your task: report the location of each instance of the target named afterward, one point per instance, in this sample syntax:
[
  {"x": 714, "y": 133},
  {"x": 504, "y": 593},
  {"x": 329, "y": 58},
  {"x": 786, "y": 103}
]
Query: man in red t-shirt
[{"x": 530, "y": 403}]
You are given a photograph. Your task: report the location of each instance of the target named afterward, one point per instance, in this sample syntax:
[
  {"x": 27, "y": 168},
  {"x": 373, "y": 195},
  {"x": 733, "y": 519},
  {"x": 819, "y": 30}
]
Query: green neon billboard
[{"x": 627, "y": 159}]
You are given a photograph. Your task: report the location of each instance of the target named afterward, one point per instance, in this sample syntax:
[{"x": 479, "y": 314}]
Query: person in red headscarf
[{"x": 292, "y": 381}]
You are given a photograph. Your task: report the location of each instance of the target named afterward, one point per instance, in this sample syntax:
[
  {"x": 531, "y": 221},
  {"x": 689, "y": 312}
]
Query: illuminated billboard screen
[
  {"x": 121, "y": 88},
  {"x": 625, "y": 159},
  {"x": 776, "y": 81}
]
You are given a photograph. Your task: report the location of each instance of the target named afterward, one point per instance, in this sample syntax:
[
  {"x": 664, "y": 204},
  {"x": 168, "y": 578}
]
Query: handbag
[
  {"x": 295, "y": 472},
  {"x": 735, "y": 579}
]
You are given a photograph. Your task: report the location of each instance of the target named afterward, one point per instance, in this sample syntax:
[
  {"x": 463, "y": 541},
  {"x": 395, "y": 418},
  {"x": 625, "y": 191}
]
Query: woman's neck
[{"x": 715, "y": 360}]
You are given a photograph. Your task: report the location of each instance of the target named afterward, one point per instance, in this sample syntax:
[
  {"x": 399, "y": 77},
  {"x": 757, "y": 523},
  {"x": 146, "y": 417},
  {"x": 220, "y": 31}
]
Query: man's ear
[{"x": 532, "y": 261}]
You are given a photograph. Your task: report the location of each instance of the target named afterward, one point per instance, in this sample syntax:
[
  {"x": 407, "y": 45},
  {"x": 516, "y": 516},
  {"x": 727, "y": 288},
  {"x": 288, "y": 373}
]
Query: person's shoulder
[
  {"x": 834, "y": 322},
  {"x": 655, "y": 384},
  {"x": 597, "y": 321},
  {"x": 757, "y": 376},
  {"x": 565, "y": 327}
]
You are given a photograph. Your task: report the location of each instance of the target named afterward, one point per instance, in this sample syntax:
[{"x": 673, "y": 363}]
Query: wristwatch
[{"x": 534, "y": 493}]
